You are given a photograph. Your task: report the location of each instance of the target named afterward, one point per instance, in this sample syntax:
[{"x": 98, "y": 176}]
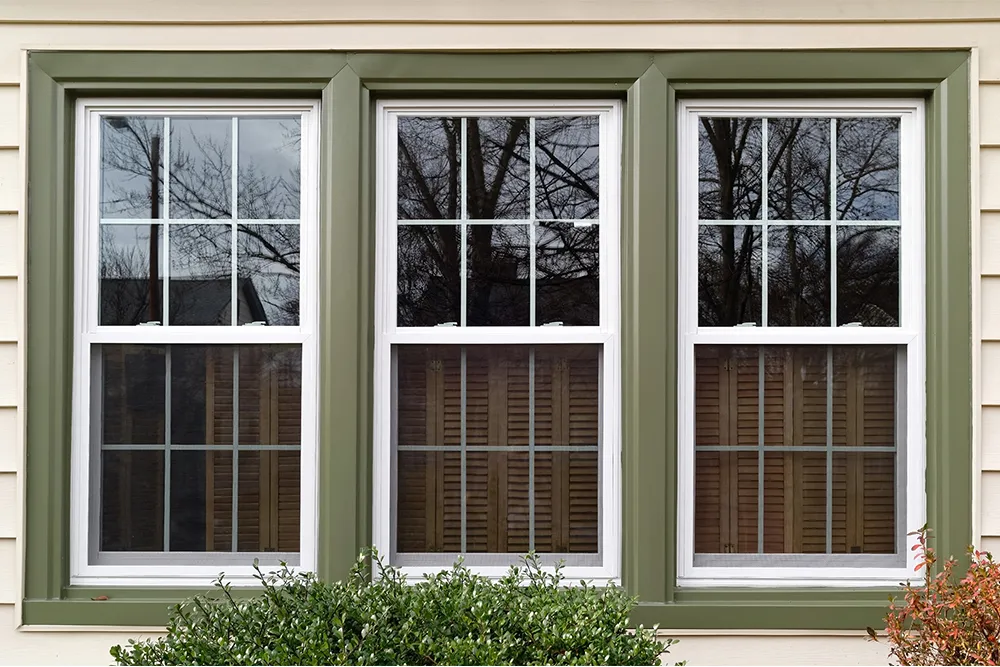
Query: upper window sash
[
  {"x": 209, "y": 186},
  {"x": 524, "y": 215},
  {"x": 908, "y": 206}
]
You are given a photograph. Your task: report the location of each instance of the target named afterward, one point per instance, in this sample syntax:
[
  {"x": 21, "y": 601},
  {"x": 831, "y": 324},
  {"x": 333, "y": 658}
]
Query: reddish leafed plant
[{"x": 950, "y": 619}]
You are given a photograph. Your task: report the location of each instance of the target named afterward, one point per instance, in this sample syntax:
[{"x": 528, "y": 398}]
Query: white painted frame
[
  {"x": 837, "y": 570},
  {"x": 387, "y": 334},
  {"x": 156, "y": 568}
]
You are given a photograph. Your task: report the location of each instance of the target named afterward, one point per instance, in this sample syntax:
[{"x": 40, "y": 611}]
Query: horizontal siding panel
[
  {"x": 989, "y": 114},
  {"x": 8, "y": 571},
  {"x": 10, "y": 181},
  {"x": 8, "y": 375},
  {"x": 10, "y": 246},
  {"x": 8, "y": 310},
  {"x": 990, "y": 434},
  {"x": 990, "y": 490},
  {"x": 989, "y": 250},
  {"x": 57, "y": 648},
  {"x": 10, "y": 111},
  {"x": 989, "y": 177},
  {"x": 8, "y": 505},
  {"x": 990, "y": 311},
  {"x": 991, "y": 544},
  {"x": 991, "y": 381},
  {"x": 8, "y": 440}
]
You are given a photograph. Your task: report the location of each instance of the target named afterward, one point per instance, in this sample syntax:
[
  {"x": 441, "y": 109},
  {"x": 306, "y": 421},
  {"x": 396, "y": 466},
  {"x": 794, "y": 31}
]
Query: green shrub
[{"x": 453, "y": 618}]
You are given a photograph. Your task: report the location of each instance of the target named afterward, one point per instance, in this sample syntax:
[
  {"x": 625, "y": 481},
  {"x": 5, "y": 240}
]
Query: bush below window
[{"x": 453, "y": 618}]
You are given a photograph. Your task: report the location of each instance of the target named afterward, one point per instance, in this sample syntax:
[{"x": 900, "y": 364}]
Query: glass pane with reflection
[
  {"x": 269, "y": 171},
  {"x": 428, "y": 278},
  {"x": 868, "y": 168},
  {"x": 729, "y": 275},
  {"x": 868, "y": 275},
  {"x": 201, "y": 168},
  {"x": 201, "y": 274},
  {"x": 429, "y": 172},
  {"x": 567, "y": 168},
  {"x": 132, "y": 160},
  {"x": 567, "y": 268},
  {"x": 131, "y": 281},
  {"x": 499, "y": 269},
  {"x": 497, "y": 168},
  {"x": 267, "y": 265},
  {"x": 798, "y": 276},
  {"x": 729, "y": 169},
  {"x": 798, "y": 156}
]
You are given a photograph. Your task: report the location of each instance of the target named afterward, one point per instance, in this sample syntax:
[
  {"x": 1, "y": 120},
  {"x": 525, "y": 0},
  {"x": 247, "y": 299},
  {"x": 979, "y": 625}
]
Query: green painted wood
[
  {"x": 649, "y": 289},
  {"x": 646, "y": 336}
]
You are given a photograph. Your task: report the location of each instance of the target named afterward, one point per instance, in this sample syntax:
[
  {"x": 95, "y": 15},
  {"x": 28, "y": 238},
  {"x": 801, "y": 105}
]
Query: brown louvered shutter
[
  {"x": 497, "y": 391},
  {"x": 795, "y": 483}
]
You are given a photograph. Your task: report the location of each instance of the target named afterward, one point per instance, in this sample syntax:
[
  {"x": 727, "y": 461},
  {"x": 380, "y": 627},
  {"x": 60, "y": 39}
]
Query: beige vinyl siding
[{"x": 455, "y": 24}]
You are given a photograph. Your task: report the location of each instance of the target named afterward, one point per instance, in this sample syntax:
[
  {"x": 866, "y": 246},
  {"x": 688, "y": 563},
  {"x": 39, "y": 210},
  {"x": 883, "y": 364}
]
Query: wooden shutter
[
  {"x": 795, "y": 414},
  {"x": 270, "y": 408},
  {"x": 497, "y": 482}
]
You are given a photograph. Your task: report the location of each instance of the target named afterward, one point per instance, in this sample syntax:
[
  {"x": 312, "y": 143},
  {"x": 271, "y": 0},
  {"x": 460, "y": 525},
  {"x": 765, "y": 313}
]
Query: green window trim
[{"x": 651, "y": 84}]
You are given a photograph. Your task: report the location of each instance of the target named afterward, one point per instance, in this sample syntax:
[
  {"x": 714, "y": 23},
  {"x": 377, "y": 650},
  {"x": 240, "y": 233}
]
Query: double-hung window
[
  {"x": 496, "y": 362},
  {"x": 194, "y": 439},
  {"x": 801, "y": 305}
]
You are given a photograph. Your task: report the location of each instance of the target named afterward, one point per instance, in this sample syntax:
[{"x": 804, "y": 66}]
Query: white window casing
[
  {"x": 178, "y": 569},
  {"x": 388, "y": 335},
  {"x": 785, "y": 569}
]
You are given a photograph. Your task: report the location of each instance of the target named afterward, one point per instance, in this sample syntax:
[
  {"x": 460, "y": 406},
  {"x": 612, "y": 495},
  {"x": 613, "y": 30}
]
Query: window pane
[
  {"x": 268, "y": 501},
  {"x": 798, "y": 276},
  {"x": 131, "y": 274},
  {"x": 868, "y": 168},
  {"x": 201, "y": 272},
  {"x": 864, "y": 503},
  {"x": 566, "y": 502},
  {"x": 868, "y": 276},
  {"x": 729, "y": 275},
  {"x": 270, "y": 394},
  {"x": 132, "y": 167},
  {"x": 201, "y": 501},
  {"x": 499, "y": 283},
  {"x": 268, "y": 274},
  {"x": 201, "y": 168},
  {"x": 493, "y": 391},
  {"x": 567, "y": 269},
  {"x": 429, "y": 173},
  {"x": 729, "y": 169},
  {"x": 497, "y": 168},
  {"x": 429, "y": 275},
  {"x": 567, "y": 168},
  {"x": 201, "y": 394},
  {"x": 798, "y": 156},
  {"x": 865, "y": 396},
  {"x": 269, "y": 168},
  {"x": 133, "y": 398},
  {"x": 132, "y": 501},
  {"x": 725, "y": 500},
  {"x": 819, "y": 403}
]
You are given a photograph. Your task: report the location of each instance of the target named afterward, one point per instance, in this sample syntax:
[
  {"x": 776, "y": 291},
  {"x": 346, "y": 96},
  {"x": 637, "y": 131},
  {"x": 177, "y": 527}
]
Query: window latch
[
  {"x": 552, "y": 324},
  {"x": 151, "y": 323},
  {"x": 852, "y": 324},
  {"x": 447, "y": 324},
  {"x": 255, "y": 323},
  {"x": 747, "y": 324}
]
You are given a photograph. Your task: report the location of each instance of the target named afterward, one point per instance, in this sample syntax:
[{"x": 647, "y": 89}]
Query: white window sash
[
  {"x": 389, "y": 335},
  {"x": 174, "y": 569},
  {"x": 790, "y": 570}
]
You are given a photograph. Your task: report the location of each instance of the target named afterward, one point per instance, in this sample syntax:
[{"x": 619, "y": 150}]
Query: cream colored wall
[{"x": 486, "y": 24}]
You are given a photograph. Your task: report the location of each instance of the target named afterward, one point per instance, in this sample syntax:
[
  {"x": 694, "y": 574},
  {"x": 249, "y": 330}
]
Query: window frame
[
  {"x": 798, "y": 570},
  {"x": 161, "y": 569},
  {"x": 388, "y": 334}
]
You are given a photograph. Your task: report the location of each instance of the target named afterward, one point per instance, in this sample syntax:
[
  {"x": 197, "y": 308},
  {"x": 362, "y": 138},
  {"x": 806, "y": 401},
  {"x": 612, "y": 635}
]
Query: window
[
  {"x": 496, "y": 403},
  {"x": 194, "y": 393},
  {"x": 802, "y": 385}
]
